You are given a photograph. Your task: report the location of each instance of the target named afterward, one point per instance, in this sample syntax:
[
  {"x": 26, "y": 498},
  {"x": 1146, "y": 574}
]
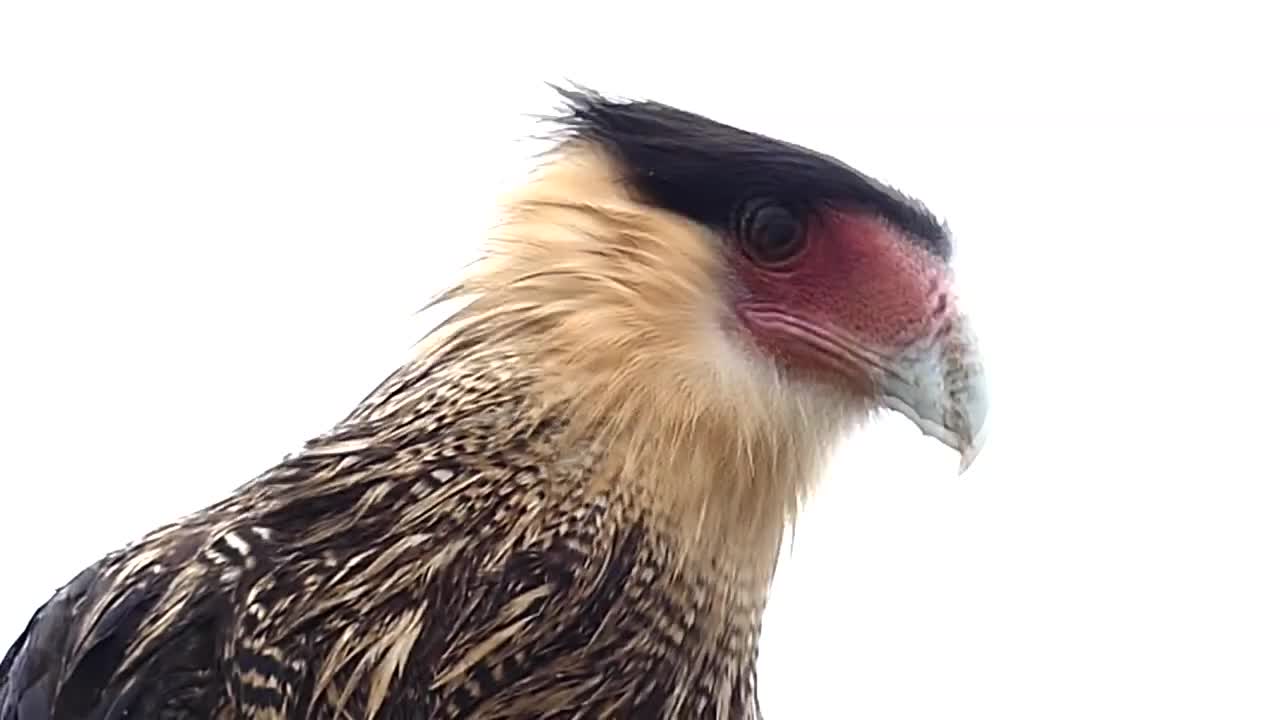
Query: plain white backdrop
[{"x": 219, "y": 219}]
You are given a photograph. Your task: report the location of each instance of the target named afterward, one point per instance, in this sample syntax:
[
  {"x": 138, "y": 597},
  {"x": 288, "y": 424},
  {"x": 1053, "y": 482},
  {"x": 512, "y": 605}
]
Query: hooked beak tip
[
  {"x": 966, "y": 431},
  {"x": 970, "y": 452},
  {"x": 943, "y": 391}
]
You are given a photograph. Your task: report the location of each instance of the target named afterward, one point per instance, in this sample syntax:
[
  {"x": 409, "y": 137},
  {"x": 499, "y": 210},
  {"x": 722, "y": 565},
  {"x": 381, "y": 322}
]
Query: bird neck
[
  {"x": 719, "y": 480},
  {"x": 615, "y": 314}
]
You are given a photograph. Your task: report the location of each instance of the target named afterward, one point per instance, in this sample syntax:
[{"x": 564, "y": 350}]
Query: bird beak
[{"x": 939, "y": 384}]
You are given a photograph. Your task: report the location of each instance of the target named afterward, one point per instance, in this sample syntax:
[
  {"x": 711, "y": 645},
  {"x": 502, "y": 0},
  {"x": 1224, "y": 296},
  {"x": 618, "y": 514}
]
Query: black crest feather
[{"x": 705, "y": 170}]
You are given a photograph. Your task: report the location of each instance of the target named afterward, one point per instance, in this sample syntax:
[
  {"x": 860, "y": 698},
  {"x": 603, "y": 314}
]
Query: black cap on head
[{"x": 706, "y": 170}]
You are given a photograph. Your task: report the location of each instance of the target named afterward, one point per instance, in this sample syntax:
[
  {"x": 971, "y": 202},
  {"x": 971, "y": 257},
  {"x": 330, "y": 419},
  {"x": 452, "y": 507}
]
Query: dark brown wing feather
[
  {"x": 581, "y": 622},
  {"x": 67, "y": 662}
]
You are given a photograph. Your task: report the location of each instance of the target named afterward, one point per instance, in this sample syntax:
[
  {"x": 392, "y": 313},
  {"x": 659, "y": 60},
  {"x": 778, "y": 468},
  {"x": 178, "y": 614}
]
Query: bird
[{"x": 569, "y": 501}]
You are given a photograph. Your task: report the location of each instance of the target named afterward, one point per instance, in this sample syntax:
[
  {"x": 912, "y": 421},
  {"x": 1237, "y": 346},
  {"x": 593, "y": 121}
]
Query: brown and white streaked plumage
[{"x": 570, "y": 501}]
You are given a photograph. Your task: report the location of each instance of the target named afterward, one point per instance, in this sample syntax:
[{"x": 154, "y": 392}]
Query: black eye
[{"x": 771, "y": 234}]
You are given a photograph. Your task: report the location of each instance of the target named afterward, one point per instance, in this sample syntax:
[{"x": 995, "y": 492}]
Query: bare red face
[
  {"x": 850, "y": 299},
  {"x": 848, "y": 294}
]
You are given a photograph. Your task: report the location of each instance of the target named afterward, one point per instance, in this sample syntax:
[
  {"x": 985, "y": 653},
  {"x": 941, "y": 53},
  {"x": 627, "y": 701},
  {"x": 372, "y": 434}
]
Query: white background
[{"x": 219, "y": 219}]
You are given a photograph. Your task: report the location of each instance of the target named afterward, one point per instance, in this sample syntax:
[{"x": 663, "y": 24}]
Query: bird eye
[{"x": 771, "y": 234}]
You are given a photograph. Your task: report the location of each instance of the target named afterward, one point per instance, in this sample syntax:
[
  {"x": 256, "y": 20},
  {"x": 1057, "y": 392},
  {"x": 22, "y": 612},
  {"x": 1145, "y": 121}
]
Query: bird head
[{"x": 726, "y": 300}]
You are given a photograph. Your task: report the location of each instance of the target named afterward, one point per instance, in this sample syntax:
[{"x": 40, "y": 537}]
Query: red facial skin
[{"x": 857, "y": 286}]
